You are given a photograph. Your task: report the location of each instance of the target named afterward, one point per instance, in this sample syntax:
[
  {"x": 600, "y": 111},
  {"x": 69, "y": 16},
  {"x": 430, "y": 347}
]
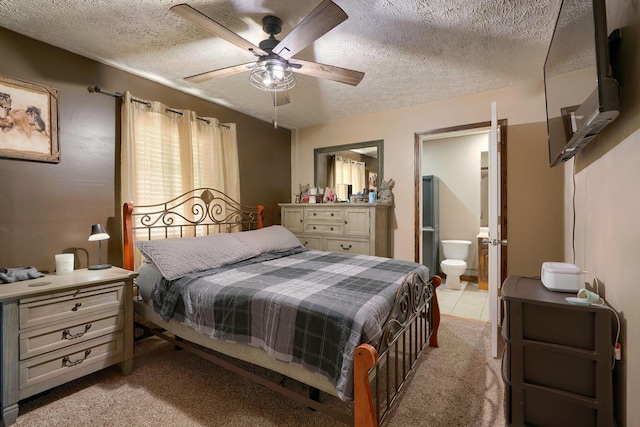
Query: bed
[{"x": 215, "y": 281}]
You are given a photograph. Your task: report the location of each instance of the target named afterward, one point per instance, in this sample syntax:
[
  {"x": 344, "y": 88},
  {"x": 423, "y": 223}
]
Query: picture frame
[{"x": 28, "y": 121}]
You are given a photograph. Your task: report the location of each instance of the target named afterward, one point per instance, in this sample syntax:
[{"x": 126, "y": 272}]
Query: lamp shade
[{"x": 97, "y": 233}]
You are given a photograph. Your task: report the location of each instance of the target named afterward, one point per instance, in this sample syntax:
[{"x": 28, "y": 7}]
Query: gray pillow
[
  {"x": 275, "y": 238},
  {"x": 177, "y": 257}
]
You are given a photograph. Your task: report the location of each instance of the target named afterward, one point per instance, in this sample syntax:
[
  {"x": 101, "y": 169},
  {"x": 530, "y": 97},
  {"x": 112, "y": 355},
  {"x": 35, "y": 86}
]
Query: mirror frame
[{"x": 379, "y": 144}]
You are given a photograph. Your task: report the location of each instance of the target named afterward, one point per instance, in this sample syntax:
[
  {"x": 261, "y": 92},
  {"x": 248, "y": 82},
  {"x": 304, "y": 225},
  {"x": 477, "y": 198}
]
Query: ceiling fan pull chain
[{"x": 274, "y": 121}]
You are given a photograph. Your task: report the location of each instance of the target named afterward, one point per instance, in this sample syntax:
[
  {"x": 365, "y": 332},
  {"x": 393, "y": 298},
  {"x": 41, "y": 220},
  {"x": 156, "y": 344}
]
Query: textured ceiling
[{"x": 412, "y": 52}]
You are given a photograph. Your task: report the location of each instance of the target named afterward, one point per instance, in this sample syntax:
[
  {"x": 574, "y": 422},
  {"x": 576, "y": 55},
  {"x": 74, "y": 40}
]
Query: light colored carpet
[{"x": 458, "y": 384}]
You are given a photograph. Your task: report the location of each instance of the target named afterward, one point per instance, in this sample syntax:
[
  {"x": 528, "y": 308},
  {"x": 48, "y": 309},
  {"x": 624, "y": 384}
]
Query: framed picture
[{"x": 28, "y": 121}]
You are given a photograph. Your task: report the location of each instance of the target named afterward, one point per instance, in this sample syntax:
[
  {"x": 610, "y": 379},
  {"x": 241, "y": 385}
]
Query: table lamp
[{"x": 98, "y": 234}]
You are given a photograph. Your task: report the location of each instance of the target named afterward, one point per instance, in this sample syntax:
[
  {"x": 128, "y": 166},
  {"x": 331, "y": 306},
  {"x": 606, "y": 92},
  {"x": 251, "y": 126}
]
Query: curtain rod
[{"x": 98, "y": 89}]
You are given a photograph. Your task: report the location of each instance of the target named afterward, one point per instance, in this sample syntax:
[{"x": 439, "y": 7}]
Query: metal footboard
[{"x": 412, "y": 326}]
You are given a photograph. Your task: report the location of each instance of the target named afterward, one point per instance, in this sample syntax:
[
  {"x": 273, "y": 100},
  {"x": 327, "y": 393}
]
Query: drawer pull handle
[
  {"x": 77, "y": 306},
  {"x": 314, "y": 227},
  {"x": 331, "y": 213},
  {"x": 346, "y": 249},
  {"x": 301, "y": 220},
  {"x": 66, "y": 335},
  {"x": 346, "y": 222},
  {"x": 314, "y": 214},
  {"x": 67, "y": 363}
]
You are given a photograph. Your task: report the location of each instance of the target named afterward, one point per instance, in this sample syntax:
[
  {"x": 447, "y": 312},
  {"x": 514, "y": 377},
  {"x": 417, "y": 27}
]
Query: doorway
[{"x": 455, "y": 135}]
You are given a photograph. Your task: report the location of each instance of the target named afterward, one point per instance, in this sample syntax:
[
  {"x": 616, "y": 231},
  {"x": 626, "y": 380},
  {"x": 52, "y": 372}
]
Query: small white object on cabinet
[{"x": 562, "y": 277}]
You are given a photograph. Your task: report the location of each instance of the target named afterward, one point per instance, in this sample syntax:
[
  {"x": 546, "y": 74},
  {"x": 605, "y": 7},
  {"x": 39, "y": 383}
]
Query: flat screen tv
[{"x": 579, "y": 52}]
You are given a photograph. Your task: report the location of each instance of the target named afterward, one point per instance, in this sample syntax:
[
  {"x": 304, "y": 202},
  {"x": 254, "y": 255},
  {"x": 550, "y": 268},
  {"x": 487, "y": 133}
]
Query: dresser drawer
[
  {"x": 324, "y": 228},
  {"x": 344, "y": 245},
  {"x": 56, "y": 336},
  {"x": 324, "y": 214},
  {"x": 69, "y": 305},
  {"x": 52, "y": 369},
  {"x": 311, "y": 242}
]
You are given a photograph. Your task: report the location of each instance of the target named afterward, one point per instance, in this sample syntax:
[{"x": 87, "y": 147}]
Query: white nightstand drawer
[
  {"x": 58, "y": 367},
  {"x": 53, "y": 337},
  {"x": 353, "y": 246},
  {"x": 67, "y": 305}
]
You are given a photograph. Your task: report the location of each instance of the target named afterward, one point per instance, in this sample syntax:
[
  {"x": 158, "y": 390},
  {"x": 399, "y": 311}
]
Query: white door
[{"x": 494, "y": 229}]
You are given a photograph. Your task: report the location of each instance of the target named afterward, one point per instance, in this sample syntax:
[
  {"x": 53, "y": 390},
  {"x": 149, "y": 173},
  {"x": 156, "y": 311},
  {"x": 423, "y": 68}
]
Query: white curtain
[
  {"x": 351, "y": 172},
  {"x": 167, "y": 152},
  {"x": 358, "y": 178}
]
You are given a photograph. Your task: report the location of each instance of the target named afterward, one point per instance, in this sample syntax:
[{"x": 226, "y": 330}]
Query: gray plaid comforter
[{"x": 309, "y": 307}]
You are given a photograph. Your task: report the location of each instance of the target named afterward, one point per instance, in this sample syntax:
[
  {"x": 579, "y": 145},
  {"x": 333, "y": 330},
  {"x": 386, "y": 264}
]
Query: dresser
[
  {"x": 58, "y": 328},
  {"x": 557, "y": 361},
  {"x": 360, "y": 228}
]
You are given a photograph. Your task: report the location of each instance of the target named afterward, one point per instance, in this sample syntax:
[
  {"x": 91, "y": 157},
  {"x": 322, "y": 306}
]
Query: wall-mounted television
[{"x": 580, "y": 46}]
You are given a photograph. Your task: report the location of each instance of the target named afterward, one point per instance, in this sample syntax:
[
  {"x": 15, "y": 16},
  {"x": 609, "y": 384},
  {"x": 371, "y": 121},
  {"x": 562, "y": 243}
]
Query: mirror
[
  {"x": 484, "y": 189},
  {"x": 370, "y": 153}
]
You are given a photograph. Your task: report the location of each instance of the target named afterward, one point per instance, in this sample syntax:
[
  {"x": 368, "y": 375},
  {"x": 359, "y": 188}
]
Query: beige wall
[
  {"x": 607, "y": 230},
  {"x": 522, "y": 104},
  {"x": 534, "y": 195}
]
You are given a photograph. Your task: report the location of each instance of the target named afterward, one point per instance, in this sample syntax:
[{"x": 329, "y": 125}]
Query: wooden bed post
[
  {"x": 260, "y": 213},
  {"x": 127, "y": 249},
  {"x": 435, "y": 312},
  {"x": 364, "y": 413}
]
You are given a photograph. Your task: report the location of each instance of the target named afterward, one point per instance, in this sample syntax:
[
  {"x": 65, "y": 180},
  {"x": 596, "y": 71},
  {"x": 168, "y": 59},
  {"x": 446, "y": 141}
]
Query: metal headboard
[{"x": 197, "y": 212}]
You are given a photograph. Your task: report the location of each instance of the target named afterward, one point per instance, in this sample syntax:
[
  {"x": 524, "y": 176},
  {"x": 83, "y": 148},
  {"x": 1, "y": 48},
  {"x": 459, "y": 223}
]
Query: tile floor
[{"x": 468, "y": 302}]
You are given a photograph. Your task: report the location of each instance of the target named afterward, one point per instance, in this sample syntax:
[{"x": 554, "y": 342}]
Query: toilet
[{"x": 455, "y": 254}]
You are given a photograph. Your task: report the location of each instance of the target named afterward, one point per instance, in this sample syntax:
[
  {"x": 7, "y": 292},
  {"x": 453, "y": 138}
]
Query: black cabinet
[
  {"x": 430, "y": 222},
  {"x": 558, "y": 358}
]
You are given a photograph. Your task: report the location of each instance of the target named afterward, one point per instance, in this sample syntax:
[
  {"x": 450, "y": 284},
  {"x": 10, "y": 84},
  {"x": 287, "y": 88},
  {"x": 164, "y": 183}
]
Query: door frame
[{"x": 417, "y": 167}]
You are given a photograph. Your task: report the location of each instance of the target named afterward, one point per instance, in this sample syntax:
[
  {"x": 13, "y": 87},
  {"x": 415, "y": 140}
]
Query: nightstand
[
  {"x": 557, "y": 361},
  {"x": 58, "y": 328}
]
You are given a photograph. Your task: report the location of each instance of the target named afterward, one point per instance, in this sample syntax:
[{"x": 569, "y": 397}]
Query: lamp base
[{"x": 99, "y": 267}]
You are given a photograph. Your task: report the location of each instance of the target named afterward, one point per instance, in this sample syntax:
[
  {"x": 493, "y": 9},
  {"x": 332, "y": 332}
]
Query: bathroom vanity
[{"x": 483, "y": 263}]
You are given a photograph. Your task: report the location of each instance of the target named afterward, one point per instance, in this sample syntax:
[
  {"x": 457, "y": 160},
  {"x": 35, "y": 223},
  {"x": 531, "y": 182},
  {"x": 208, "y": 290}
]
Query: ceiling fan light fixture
[{"x": 272, "y": 75}]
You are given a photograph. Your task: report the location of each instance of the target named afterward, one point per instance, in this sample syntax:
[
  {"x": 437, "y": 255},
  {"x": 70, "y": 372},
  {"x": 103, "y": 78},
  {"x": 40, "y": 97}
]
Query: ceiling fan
[{"x": 273, "y": 70}]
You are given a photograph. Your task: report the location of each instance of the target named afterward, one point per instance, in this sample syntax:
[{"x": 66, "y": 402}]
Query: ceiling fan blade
[
  {"x": 191, "y": 14},
  {"x": 281, "y": 98},
  {"x": 222, "y": 72},
  {"x": 330, "y": 72},
  {"x": 321, "y": 19}
]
